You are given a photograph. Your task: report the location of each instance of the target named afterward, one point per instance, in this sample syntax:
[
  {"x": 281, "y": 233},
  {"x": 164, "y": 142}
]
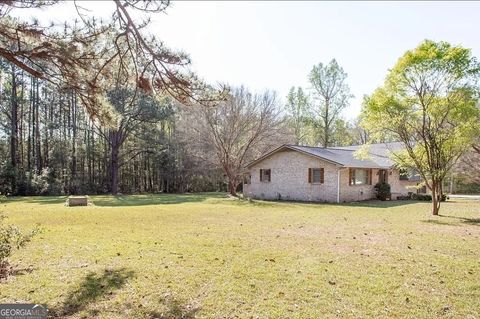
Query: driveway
[{"x": 477, "y": 197}]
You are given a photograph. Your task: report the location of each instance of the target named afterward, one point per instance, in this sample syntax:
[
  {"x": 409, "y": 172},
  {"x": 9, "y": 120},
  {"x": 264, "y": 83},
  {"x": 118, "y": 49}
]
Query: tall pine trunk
[
  {"x": 114, "y": 171},
  {"x": 115, "y": 138},
  {"x": 14, "y": 131},
  {"x": 30, "y": 128},
  {"x": 73, "y": 172},
  {"x": 38, "y": 147}
]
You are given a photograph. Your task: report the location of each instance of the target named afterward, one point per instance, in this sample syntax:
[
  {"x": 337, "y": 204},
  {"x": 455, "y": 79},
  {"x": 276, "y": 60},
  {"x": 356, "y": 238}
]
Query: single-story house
[{"x": 333, "y": 174}]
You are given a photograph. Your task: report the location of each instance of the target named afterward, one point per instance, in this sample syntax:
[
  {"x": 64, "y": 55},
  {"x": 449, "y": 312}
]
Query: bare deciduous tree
[
  {"x": 468, "y": 166},
  {"x": 238, "y": 130}
]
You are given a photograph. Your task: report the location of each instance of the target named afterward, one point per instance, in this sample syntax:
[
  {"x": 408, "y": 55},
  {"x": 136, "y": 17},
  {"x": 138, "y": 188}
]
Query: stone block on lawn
[{"x": 77, "y": 201}]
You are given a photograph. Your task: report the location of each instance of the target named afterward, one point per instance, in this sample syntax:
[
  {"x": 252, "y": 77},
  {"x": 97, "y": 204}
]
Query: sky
[{"x": 274, "y": 44}]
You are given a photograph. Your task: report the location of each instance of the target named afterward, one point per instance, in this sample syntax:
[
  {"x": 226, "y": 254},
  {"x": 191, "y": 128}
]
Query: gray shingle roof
[{"x": 344, "y": 156}]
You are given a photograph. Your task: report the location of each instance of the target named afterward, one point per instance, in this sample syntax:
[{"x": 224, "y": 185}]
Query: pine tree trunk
[
  {"x": 30, "y": 129},
  {"x": 46, "y": 151},
  {"x": 21, "y": 129},
  {"x": 73, "y": 171},
  {"x": 114, "y": 161},
  {"x": 114, "y": 171},
  {"x": 14, "y": 131},
  {"x": 38, "y": 148}
]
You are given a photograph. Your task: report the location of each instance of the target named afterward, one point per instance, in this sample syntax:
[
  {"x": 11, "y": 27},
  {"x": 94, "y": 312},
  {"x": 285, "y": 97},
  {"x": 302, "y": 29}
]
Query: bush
[
  {"x": 427, "y": 197},
  {"x": 382, "y": 191},
  {"x": 11, "y": 237},
  {"x": 45, "y": 183}
]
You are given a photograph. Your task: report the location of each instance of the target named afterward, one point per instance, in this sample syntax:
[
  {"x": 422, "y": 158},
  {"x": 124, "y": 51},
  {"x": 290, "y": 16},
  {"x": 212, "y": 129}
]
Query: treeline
[
  {"x": 49, "y": 144},
  {"x": 102, "y": 106},
  {"x": 151, "y": 143}
]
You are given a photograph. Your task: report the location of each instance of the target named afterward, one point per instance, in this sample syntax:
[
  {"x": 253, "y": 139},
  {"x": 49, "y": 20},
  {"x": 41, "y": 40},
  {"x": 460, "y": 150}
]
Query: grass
[{"x": 207, "y": 256}]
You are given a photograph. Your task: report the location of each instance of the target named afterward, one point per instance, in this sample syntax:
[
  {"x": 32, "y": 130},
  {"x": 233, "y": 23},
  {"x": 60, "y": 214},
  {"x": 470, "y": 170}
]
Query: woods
[
  {"x": 50, "y": 145},
  {"x": 90, "y": 106}
]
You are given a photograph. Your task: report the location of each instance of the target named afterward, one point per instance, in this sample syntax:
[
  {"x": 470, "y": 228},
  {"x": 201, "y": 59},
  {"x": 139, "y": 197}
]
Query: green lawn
[{"x": 207, "y": 256}]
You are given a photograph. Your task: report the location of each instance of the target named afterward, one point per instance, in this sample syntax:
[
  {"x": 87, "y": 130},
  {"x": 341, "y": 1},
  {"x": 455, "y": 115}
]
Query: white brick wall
[
  {"x": 349, "y": 193},
  {"x": 400, "y": 187},
  {"x": 352, "y": 193}
]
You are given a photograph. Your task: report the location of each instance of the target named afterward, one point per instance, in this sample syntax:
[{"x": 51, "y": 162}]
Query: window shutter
[
  {"x": 370, "y": 176},
  {"x": 322, "y": 175},
  {"x": 261, "y": 175},
  {"x": 310, "y": 175},
  {"x": 350, "y": 173}
]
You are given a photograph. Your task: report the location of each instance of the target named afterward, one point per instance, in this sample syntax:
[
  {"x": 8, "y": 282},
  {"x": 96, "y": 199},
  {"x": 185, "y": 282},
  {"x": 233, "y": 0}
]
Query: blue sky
[{"x": 273, "y": 45}]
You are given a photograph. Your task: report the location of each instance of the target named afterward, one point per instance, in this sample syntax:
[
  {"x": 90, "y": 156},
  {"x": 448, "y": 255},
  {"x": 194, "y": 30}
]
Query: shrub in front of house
[
  {"x": 426, "y": 197},
  {"x": 382, "y": 191}
]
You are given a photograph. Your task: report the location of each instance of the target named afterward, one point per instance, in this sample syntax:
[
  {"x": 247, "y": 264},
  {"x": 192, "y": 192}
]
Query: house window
[
  {"x": 247, "y": 179},
  {"x": 404, "y": 175},
  {"x": 265, "y": 175},
  {"x": 316, "y": 175},
  {"x": 360, "y": 176}
]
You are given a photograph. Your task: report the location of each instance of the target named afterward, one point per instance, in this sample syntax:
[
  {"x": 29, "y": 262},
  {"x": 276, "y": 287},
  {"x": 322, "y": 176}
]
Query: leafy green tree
[
  {"x": 296, "y": 107},
  {"x": 331, "y": 94},
  {"x": 342, "y": 134},
  {"x": 133, "y": 110},
  {"x": 428, "y": 102}
]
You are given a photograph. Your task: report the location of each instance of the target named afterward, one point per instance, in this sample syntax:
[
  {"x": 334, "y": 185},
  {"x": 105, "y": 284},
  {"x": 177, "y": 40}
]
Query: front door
[{"x": 383, "y": 176}]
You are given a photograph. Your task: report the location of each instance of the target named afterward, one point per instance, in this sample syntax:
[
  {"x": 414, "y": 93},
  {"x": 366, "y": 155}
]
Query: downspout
[{"x": 338, "y": 185}]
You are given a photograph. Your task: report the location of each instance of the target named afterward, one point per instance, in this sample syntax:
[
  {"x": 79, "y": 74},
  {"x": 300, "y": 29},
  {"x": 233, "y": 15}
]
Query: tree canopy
[
  {"x": 90, "y": 55},
  {"x": 428, "y": 102},
  {"x": 331, "y": 94}
]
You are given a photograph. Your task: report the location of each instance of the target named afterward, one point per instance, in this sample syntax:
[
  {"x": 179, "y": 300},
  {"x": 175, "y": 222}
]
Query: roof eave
[{"x": 293, "y": 149}]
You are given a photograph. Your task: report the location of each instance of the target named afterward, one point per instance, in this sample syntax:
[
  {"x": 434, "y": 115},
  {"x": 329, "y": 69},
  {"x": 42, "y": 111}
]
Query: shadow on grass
[
  {"x": 380, "y": 204},
  {"x": 46, "y": 200},
  {"x": 439, "y": 222},
  {"x": 93, "y": 287},
  {"x": 465, "y": 220},
  {"x": 367, "y": 203},
  {"x": 175, "y": 310},
  {"x": 157, "y": 199}
]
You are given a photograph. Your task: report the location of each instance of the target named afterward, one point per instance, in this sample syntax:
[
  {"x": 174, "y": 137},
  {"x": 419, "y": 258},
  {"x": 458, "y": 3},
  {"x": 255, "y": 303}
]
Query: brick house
[{"x": 332, "y": 174}]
